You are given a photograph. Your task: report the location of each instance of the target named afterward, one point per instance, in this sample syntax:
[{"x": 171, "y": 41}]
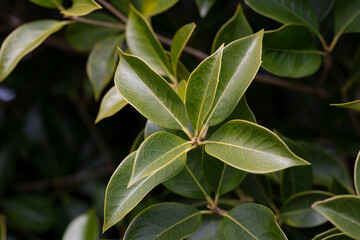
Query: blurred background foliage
[{"x": 55, "y": 163}]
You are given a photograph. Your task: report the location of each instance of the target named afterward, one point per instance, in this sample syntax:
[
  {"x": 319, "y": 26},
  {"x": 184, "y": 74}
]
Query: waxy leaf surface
[
  {"x": 81, "y": 7},
  {"x": 149, "y": 93},
  {"x": 249, "y": 222},
  {"x": 83, "y": 227},
  {"x": 165, "y": 221},
  {"x": 354, "y": 105},
  {"x": 252, "y": 148},
  {"x": 23, "y": 40}
]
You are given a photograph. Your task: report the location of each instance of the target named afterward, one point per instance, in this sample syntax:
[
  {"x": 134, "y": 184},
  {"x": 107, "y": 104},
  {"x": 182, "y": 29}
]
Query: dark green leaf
[
  {"x": 347, "y": 17},
  {"x": 201, "y": 89},
  {"x": 47, "y": 3},
  {"x": 158, "y": 102},
  {"x": 206, "y": 231},
  {"x": 354, "y": 105},
  {"x": 122, "y": 5},
  {"x": 252, "y": 148},
  {"x": 297, "y": 211},
  {"x": 81, "y": 7},
  {"x": 237, "y": 27},
  {"x": 338, "y": 236},
  {"x": 338, "y": 188},
  {"x": 165, "y": 221},
  {"x": 190, "y": 182},
  {"x": 119, "y": 200},
  {"x": 179, "y": 41},
  {"x": 102, "y": 62},
  {"x": 327, "y": 233},
  {"x": 322, "y": 7},
  {"x": 204, "y": 6},
  {"x": 156, "y": 152},
  {"x": 111, "y": 103},
  {"x": 290, "y": 183},
  {"x": 259, "y": 188},
  {"x": 343, "y": 212},
  {"x": 290, "y": 52},
  {"x": 357, "y": 174},
  {"x": 83, "y": 227},
  {"x": 143, "y": 43},
  {"x": 250, "y": 221},
  {"x": 23, "y": 40},
  {"x": 153, "y": 7},
  {"x": 239, "y": 57}
]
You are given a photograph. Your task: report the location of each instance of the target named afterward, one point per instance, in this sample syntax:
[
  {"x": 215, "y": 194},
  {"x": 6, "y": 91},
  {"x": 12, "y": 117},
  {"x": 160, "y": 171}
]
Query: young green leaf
[
  {"x": 179, "y": 41},
  {"x": 354, "y": 105},
  {"x": 343, "y": 212},
  {"x": 235, "y": 28},
  {"x": 23, "y": 40},
  {"x": 156, "y": 152},
  {"x": 287, "y": 11},
  {"x": 111, "y": 103},
  {"x": 327, "y": 233},
  {"x": 248, "y": 222},
  {"x": 204, "y": 6},
  {"x": 119, "y": 200},
  {"x": 289, "y": 183},
  {"x": 251, "y": 148},
  {"x": 149, "y": 93},
  {"x": 143, "y": 43},
  {"x": 153, "y": 7},
  {"x": 83, "y": 227},
  {"x": 81, "y": 7},
  {"x": 165, "y": 221},
  {"x": 290, "y": 52},
  {"x": 101, "y": 63},
  {"x": 201, "y": 89},
  {"x": 297, "y": 211},
  {"x": 322, "y": 7},
  {"x": 47, "y": 3},
  {"x": 240, "y": 63},
  {"x": 357, "y": 174},
  {"x": 2, "y": 228},
  {"x": 190, "y": 182}
]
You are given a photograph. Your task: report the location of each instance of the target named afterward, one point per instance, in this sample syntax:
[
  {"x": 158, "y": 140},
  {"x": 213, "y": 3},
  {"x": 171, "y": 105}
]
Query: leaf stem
[
  {"x": 323, "y": 42},
  {"x": 188, "y": 133},
  {"x": 113, "y": 10}
]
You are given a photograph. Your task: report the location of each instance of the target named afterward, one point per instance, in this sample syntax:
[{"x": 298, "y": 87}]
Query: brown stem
[
  {"x": 328, "y": 60},
  {"x": 97, "y": 23},
  {"x": 113, "y": 10}
]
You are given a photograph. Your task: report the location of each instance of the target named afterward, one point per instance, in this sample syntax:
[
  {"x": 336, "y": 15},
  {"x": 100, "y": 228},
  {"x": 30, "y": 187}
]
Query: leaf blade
[
  {"x": 83, "y": 227},
  {"x": 354, "y": 105},
  {"x": 81, "y": 7},
  {"x": 357, "y": 174}
]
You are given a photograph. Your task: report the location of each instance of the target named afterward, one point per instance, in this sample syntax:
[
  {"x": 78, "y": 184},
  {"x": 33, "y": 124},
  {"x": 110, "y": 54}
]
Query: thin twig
[
  {"x": 98, "y": 23},
  {"x": 328, "y": 60},
  {"x": 113, "y": 10}
]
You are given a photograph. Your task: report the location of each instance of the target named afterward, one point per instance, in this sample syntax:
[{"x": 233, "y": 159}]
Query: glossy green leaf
[
  {"x": 153, "y": 7},
  {"x": 165, "y": 221},
  {"x": 101, "y": 63},
  {"x": 239, "y": 57},
  {"x": 287, "y": 11},
  {"x": 81, "y": 7},
  {"x": 290, "y": 184},
  {"x": 180, "y": 39},
  {"x": 297, "y": 211},
  {"x": 47, "y": 3},
  {"x": 83, "y": 227},
  {"x": 201, "y": 89},
  {"x": 357, "y": 174},
  {"x": 290, "y": 52},
  {"x": 151, "y": 128},
  {"x": 235, "y": 28},
  {"x": 83, "y": 36},
  {"x": 181, "y": 89},
  {"x": 338, "y": 188},
  {"x": 158, "y": 102},
  {"x": 111, "y": 103},
  {"x": 343, "y": 212},
  {"x": 259, "y": 188},
  {"x": 119, "y": 199},
  {"x": 338, "y": 236},
  {"x": 23, "y": 40},
  {"x": 204, "y": 6},
  {"x": 327, "y": 233},
  {"x": 250, "y": 221},
  {"x": 206, "y": 231},
  {"x": 156, "y": 152},
  {"x": 252, "y": 148},
  {"x": 322, "y": 7},
  {"x": 190, "y": 182},
  {"x": 347, "y": 17},
  {"x": 354, "y": 105},
  {"x": 2, "y": 228},
  {"x": 143, "y": 43}
]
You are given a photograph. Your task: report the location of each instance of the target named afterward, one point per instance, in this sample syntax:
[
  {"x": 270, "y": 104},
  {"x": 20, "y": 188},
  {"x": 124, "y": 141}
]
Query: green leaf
[
  {"x": 151, "y": 128},
  {"x": 290, "y": 184},
  {"x": 204, "y": 6},
  {"x": 259, "y": 188},
  {"x": 290, "y": 52},
  {"x": 337, "y": 187},
  {"x": 201, "y": 89},
  {"x": 101, "y": 63},
  {"x": 153, "y": 7},
  {"x": 119, "y": 200},
  {"x": 164, "y": 221},
  {"x": 158, "y": 102},
  {"x": 156, "y": 152},
  {"x": 357, "y": 174},
  {"x": 297, "y": 211},
  {"x": 181, "y": 89},
  {"x": 2, "y": 228},
  {"x": 23, "y": 40},
  {"x": 235, "y": 28},
  {"x": 251, "y": 148},
  {"x": 180, "y": 39},
  {"x": 122, "y": 5},
  {"x": 354, "y": 105},
  {"x": 83, "y": 36},
  {"x": 240, "y": 63},
  {"x": 111, "y": 103},
  {"x": 83, "y": 227},
  {"x": 347, "y": 17},
  {"x": 343, "y": 212},
  {"x": 190, "y": 182},
  {"x": 47, "y": 3},
  {"x": 287, "y": 11},
  {"x": 81, "y": 7},
  {"x": 327, "y": 233},
  {"x": 143, "y": 43},
  {"x": 206, "y": 231},
  {"x": 322, "y": 7},
  {"x": 250, "y": 221},
  {"x": 338, "y": 236}
]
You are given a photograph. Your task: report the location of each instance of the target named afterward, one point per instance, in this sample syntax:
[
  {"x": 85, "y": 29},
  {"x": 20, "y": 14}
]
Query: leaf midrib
[{"x": 236, "y": 222}]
